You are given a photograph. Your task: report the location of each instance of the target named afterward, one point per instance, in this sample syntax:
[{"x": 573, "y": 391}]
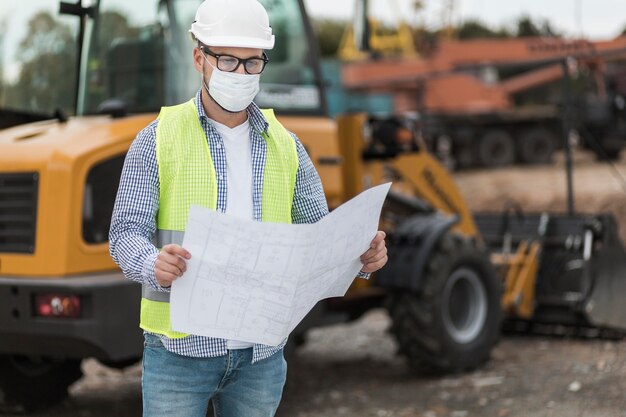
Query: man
[{"x": 218, "y": 151}]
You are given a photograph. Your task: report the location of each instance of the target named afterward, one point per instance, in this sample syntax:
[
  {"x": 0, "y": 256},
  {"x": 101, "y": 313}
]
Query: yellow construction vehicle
[
  {"x": 63, "y": 298},
  {"x": 368, "y": 36}
]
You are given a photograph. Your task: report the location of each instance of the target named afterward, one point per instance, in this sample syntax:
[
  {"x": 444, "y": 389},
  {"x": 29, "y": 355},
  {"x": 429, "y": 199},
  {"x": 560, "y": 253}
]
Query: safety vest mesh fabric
[
  {"x": 279, "y": 172},
  {"x": 187, "y": 177}
]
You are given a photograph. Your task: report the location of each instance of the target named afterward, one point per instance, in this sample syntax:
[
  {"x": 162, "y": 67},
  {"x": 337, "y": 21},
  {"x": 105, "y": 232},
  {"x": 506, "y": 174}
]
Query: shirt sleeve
[
  {"x": 309, "y": 200},
  {"x": 363, "y": 275},
  {"x": 133, "y": 223}
]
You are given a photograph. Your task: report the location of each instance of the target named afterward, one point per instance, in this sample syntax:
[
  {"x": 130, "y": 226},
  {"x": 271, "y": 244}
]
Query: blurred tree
[
  {"x": 114, "y": 25},
  {"x": 113, "y": 28},
  {"x": 526, "y": 26},
  {"x": 3, "y": 31},
  {"x": 425, "y": 40},
  {"x": 329, "y": 33},
  {"x": 473, "y": 28},
  {"x": 46, "y": 56}
]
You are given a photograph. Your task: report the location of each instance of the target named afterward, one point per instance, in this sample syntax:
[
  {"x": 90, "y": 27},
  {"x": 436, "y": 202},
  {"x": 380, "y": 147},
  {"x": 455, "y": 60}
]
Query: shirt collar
[{"x": 255, "y": 117}]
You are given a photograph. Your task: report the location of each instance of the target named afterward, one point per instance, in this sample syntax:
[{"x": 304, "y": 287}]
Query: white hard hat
[{"x": 239, "y": 23}]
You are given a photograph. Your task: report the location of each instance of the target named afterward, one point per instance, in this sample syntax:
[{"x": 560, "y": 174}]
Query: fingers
[
  {"x": 380, "y": 236},
  {"x": 170, "y": 264},
  {"x": 377, "y": 245},
  {"x": 176, "y": 250},
  {"x": 375, "y": 266},
  {"x": 165, "y": 279},
  {"x": 375, "y": 257}
]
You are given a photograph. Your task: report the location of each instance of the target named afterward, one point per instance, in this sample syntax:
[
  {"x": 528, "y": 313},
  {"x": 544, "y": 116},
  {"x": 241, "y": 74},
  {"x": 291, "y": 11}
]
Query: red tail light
[{"x": 57, "y": 305}]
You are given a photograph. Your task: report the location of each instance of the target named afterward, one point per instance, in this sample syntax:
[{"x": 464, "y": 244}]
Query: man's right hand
[{"x": 170, "y": 264}]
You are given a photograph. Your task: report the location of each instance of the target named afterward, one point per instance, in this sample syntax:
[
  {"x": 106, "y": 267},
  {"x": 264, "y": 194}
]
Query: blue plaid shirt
[{"x": 133, "y": 224}]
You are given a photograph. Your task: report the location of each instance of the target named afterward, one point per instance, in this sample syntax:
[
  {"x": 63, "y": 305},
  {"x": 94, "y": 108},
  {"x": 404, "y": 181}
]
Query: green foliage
[
  {"x": 47, "y": 57},
  {"x": 329, "y": 32},
  {"x": 47, "y": 60},
  {"x": 473, "y": 28},
  {"x": 3, "y": 32},
  {"x": 425, "y": 40},
  {"x": 526, "y": 26}
]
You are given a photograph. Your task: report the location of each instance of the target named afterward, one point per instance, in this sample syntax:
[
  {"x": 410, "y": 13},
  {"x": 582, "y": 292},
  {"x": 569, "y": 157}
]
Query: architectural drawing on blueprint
[{"x": 255, "y": 282}]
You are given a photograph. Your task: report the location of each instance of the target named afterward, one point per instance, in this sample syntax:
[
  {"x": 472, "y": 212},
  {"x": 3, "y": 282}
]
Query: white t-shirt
[{"x": 239, "y": 181}]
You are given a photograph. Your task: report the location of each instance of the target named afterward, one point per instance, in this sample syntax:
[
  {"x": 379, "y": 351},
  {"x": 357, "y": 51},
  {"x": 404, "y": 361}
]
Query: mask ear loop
[{"x": 206, "y": 86}]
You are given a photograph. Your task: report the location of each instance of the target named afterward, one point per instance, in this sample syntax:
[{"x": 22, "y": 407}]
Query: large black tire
[
  {"x": 536, "y": 145},
  {"x": 453, "y": 323},
  {"x": 496, "y": 148},
  {"x": 28, "y": 384}
]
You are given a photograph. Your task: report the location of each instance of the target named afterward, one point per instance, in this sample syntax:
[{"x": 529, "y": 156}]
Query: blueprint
[{"x": 254, "y": 282}]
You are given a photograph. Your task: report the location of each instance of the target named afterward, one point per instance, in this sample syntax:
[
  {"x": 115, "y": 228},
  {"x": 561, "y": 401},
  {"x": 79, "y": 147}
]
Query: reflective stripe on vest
[
  {"x": 153, "y": 295},
  {"x": 187, "y": 177},
  {"x": 163, "y": 237}
]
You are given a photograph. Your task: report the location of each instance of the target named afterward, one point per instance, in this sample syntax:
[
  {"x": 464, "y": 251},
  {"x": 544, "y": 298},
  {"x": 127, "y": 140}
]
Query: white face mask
[{"x": 231, "y": 90}]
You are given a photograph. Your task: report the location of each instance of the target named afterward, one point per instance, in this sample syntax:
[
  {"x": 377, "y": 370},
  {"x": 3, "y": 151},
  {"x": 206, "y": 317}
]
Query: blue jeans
[{"x": 177, "y": 386}]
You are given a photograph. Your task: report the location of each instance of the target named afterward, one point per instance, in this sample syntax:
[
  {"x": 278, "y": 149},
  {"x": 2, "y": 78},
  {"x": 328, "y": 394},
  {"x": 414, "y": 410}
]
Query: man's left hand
[{"x": 375, "y": 257}]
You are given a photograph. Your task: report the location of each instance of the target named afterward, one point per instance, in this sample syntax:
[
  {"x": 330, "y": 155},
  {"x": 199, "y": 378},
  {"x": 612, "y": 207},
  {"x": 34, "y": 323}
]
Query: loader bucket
[
  {"x": 581, "y": 279},
  {"x": 606, "y": 306}
]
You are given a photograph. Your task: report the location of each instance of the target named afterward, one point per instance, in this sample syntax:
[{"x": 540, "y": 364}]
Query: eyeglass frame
[{"x": 205, "y": 49}]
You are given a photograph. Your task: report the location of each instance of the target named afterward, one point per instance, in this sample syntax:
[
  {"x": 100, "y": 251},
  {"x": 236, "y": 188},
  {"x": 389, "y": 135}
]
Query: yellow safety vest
[{"x": 187, "y": 176}]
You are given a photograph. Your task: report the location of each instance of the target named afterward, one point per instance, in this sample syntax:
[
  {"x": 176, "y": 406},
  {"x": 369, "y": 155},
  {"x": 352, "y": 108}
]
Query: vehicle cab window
[{"x": 38, "y": 50}]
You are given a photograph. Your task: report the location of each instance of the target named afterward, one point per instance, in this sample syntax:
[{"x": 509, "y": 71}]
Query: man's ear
[{"x": 198, "y": 59}]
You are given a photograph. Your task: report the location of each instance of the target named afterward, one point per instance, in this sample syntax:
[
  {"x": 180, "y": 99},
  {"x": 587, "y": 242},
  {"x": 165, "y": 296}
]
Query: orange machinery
[{"x": 497, "y": 101}]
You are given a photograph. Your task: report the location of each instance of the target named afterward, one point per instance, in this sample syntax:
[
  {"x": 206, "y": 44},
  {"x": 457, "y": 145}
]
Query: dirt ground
[
  {"x": 352, "y": 370},
  {"x": 598, "y": 187}
]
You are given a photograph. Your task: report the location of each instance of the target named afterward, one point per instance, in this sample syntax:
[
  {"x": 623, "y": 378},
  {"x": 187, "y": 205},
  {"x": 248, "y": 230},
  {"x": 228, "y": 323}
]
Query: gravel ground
[{"x": 352, "y": 369}]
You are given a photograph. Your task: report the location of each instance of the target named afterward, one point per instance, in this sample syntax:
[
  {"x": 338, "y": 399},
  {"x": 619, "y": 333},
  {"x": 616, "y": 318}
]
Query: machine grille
[{"x": 18, "y": 212}]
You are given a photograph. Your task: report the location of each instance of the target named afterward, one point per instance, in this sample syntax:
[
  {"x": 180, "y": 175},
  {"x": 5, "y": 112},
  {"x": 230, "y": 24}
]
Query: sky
[{"x": 595, "y": 19}]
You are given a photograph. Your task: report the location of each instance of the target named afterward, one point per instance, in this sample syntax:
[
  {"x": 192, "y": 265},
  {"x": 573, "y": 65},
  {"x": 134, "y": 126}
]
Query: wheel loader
[{"x": 451, "y": 277}]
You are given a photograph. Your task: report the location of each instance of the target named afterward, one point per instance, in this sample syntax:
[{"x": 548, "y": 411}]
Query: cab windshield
[
  {"x": 139, "y": 53},
  {"x": 38, "y": 52}
]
